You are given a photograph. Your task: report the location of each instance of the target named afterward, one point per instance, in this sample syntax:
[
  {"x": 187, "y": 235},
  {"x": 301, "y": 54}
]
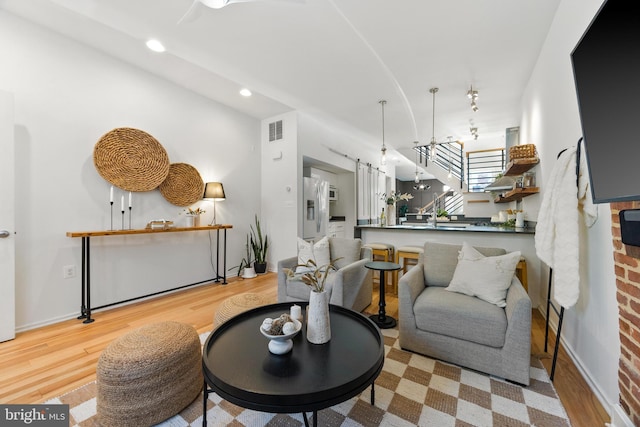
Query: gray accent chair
[
  {"x": 350, "y": 286},
  {"x": 462, "y": 329}
]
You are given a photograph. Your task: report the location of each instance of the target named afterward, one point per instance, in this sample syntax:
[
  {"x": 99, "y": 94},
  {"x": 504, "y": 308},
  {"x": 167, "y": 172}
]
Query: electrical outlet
[{"x": 68, "y": 271}]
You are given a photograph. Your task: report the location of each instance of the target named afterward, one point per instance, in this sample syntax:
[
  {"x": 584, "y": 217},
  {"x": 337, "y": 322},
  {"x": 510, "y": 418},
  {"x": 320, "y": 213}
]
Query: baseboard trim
[
  {"x": 619, "y": 418},
  {"x": 47, "y": 322},
  {"x": 608, "y": 406}
]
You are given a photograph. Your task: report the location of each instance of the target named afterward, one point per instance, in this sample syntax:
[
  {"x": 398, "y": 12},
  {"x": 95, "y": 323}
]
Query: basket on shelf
[{"x": 523, "y": 151}]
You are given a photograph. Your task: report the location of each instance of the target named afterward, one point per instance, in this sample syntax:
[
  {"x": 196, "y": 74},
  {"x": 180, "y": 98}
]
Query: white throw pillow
[
  {"x": 318, "y": 252},
  {"x": 487, "y": 278}
]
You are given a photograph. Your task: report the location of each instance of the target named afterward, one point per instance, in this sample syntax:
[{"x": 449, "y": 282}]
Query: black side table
[{"x": 381, "y": 319}]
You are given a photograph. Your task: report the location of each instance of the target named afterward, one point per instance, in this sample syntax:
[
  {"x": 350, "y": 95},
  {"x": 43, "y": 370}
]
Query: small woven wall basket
[
  {"x": 131, "y": 159},
  {"x": 183, "y": 186},
  {"x": 523, "y": 151}
]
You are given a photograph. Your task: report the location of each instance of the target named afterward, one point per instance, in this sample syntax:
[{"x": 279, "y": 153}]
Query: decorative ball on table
[{"x": 280, "y": 333}]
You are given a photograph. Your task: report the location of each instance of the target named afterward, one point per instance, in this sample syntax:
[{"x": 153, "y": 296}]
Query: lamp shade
[{"x": 214, "y": 190}]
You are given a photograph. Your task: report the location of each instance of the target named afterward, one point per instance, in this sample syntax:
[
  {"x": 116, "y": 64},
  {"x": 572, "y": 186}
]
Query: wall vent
[{"x": 275, "y": 131}]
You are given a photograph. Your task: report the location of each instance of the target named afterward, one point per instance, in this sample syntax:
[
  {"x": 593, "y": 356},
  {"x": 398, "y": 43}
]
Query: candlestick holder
[
  {"x": 130, "y": 218},
  {"x": 111, "y": 203},
  {"x": 123, "y": 219}
]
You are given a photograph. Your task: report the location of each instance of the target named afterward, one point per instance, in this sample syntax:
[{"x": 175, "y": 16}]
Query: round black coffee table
[
  {"x": 381, "y": 319},
  {"x": 238, "y": 366}
]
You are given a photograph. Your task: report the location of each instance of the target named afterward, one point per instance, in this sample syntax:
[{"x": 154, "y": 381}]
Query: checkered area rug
[{"x": 412, "y": 390}]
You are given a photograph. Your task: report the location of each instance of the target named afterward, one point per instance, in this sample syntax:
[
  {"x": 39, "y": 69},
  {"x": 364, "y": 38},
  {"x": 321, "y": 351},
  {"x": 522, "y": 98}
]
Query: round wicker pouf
[
  {"x": 148, "y": 375},
  {"x": 238, "y": 304}
]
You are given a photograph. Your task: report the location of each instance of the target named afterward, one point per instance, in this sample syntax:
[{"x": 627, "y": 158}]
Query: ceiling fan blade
[
  {"x": 215, "y": 4},
  {"x": 194, "y": 11},
  {"x": 219, "y": 4}
]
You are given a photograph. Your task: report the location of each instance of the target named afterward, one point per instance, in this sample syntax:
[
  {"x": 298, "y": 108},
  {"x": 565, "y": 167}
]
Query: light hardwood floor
[{"x": 49, "y": 361}]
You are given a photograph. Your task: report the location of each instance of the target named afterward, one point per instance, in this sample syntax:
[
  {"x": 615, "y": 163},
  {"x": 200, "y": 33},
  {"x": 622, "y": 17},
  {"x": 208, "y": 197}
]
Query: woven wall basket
[
  {"x": 183, "y": 186},
  {"x": 131, "y": 159}
]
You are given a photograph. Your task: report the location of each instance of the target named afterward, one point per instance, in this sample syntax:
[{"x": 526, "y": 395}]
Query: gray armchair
[
  {"x": 350, "y": 286},
  {"x": 462, "y": 329}
]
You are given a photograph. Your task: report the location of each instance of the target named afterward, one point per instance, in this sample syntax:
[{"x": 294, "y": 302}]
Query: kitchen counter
[
  {"x": 452, "y": 226},
  {"x": 476, "y": 234}
]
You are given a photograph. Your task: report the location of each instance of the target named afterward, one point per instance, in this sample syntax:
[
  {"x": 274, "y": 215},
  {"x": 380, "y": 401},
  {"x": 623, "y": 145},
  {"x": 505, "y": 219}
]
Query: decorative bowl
[{"x": 281, "y": 344}]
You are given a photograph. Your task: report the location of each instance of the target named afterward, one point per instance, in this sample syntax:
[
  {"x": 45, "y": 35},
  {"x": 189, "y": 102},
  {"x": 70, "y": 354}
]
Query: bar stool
[
  {"x": 521, "y": 272},
  {"x": 410, "y": 256},
  {"x": 383, "y": 252}
]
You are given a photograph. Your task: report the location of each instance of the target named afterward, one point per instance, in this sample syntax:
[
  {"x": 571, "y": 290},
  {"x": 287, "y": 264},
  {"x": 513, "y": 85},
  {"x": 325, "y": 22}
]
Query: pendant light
[
  {"x": 473, "y": 96},
  {"x": 383, "y": 151},
  {"x": 432, "y": 147},
  {"x": 417, "y": 178}
]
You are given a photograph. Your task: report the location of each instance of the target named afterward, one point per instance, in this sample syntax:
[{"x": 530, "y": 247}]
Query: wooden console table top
[{"x": 145, "y": 231}]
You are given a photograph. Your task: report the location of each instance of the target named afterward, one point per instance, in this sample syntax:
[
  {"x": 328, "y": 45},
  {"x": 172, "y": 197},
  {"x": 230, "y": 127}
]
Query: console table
[{"x": 85, "y": 304}]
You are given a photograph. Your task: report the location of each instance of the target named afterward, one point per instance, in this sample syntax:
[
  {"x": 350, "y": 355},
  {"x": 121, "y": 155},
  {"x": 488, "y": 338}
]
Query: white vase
[
  {"x": 391, "y": 215},
  {"x": 318, "y": 325},
  {"x": 248, "y": 273}
]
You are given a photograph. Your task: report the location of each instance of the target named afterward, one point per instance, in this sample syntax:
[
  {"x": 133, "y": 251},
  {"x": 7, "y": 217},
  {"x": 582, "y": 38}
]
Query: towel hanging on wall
[{"x": 557, "y": 230}]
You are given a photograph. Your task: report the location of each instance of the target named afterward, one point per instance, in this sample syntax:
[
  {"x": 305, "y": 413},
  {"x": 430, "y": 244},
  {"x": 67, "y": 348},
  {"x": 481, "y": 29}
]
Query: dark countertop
[
  {"x": 337, "y": 218},
  {"x": 452, "y": 226}
]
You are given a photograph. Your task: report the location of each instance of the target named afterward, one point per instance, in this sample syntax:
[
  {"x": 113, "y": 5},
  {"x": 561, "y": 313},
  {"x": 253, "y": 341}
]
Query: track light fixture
[
  {"x": 383, "y": 150},
  {"x": 473, "y": 96},
  {"x": 474, "y": 132},
  {"x": 432, "y": 147}
]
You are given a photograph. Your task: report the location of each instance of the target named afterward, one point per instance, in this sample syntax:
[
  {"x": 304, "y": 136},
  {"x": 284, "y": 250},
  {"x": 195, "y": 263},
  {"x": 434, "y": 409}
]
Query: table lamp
[{"x": 214, "y": 191}]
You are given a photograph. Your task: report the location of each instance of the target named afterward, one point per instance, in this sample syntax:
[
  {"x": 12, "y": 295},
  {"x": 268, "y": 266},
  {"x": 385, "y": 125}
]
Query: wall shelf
[
  {"x": 516, "y": 194},
  {"x": 519, "y": 166}
]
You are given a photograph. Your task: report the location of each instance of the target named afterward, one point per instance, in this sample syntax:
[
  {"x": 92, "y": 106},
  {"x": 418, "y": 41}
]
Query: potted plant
[
  {"x": 193, "y": 216},
  {"x": 391, "y": 201},
  {"x": 245, "y": 268},
  {"x": 260, "y": 246},
  {"x": 442, "y": 214}
]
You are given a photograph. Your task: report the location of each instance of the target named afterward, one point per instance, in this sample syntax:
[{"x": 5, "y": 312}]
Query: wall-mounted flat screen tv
[{"x": 606, "y": 68}]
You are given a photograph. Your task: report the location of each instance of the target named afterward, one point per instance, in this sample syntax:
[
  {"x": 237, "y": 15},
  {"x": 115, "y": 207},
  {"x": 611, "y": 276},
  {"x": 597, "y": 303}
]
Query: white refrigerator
[{"x": 315, "y": 209}]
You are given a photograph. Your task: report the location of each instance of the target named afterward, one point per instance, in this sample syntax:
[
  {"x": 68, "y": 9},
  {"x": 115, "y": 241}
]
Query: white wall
[
  {"x": 66, "y": 97},
  {"x": 281, "y": 189},
  {"x": 551, "y": 121},
  {"x": 317, "y": 139}
]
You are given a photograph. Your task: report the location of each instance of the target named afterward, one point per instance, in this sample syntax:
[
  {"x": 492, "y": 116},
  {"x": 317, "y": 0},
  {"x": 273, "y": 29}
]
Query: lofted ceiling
[{"x": 334, "y": 59}]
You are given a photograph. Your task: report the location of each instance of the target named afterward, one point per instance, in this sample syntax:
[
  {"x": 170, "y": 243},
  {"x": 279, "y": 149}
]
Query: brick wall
[{"x": 627, "y": 270}]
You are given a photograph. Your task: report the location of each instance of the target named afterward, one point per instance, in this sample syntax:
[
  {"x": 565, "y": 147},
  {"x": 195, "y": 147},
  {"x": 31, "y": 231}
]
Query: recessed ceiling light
[
  {"x": 155, "y": 45},
  {"x": 245, "y": 92}
]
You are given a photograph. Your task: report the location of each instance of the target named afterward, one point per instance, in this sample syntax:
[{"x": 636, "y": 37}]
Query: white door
[{"x": 7, "y": 220}]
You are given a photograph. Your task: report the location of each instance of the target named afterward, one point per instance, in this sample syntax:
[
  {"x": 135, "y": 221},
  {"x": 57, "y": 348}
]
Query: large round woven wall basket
[
  {"x": 131, "y": 159},
  {"x": 183, "y": 186}
]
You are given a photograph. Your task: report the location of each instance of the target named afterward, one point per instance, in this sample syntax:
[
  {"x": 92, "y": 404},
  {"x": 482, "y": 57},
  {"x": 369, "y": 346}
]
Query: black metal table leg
[
  {"x": 83, "y": 306},
  {"x": 87, "y": 280},
  {"x": 373, "y": 394},
  {"x": 224, "y": 271},
  {"x": 217, "y": 256},
  {"x": 205, "y": 397}
]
